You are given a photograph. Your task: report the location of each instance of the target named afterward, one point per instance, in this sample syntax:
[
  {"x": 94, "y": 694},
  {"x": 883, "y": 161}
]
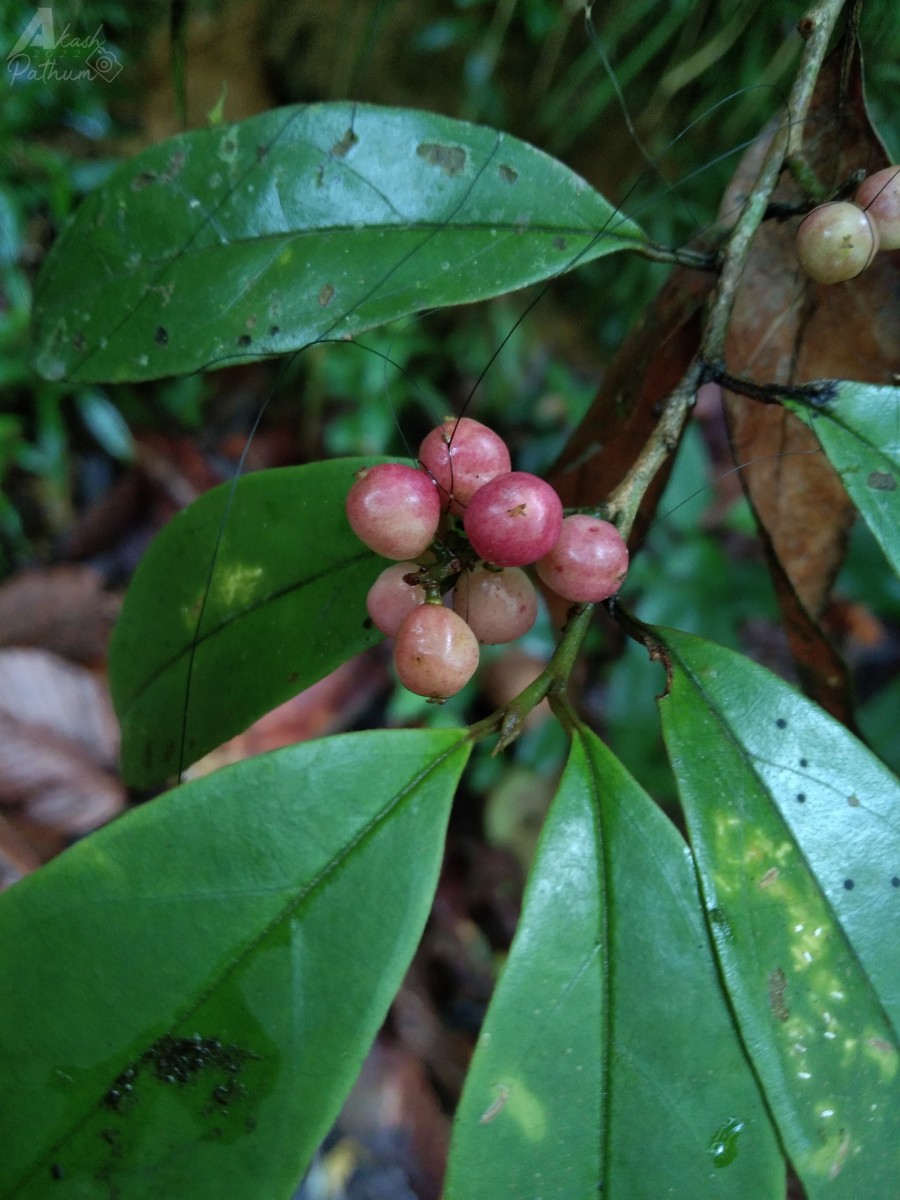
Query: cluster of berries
[
  {"x": 837, "y": 241},
  {"x": 473, "y": 523}
]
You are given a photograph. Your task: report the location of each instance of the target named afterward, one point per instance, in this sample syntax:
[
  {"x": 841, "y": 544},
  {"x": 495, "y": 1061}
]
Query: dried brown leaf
[
  {"x": 40, "y": 689},
  {"x": 63, "y": 609},
  {"x": 58, "y": 745},
  {"x": 787, "y": 329},
  {"x": 624, "y": 414}
]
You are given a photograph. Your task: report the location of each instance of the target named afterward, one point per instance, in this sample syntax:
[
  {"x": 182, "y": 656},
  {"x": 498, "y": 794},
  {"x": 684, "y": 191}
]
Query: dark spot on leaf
[
  {"x": 882, "y": 481},
  {"x": 801, "y": 797},
  {"x": 78, "y": 340},
  {"x": 849, "y": 885},
  {"x": 143, "y": 180},
  {"x": 225, "y": 1094},
  {"x": 326, "y": 295},
  {"x": 274, "y": 330},
  {"x": 162, "y": 335},
  {"x": 450, "y": 159},
  {"x": 121, "y": 1096},
  {"x": 113, "y": 1139},
  {"x": 781, "y": 723},
  {"x": 229, "y": 146},
  {"x": 895, "y": 881},
  {"x": 262, "y": 151},
  {"x": 292, "y": 678},
  {"x": 179, "y": 1062},
  {"x": 853, "y": 801},
  {"x": 56, "y": 1171},
  {"x": 559, "y": 243},
  {"x": 344, "y": 145},
  {"x": 368, "y": 623},
  {"x": 804, "y": 762},
  {"x": 508, "y": 174},
  {"x": 777, "y": 986},
  {"x": 244, "y": 340},
  {"x": 822, "y": 392}
]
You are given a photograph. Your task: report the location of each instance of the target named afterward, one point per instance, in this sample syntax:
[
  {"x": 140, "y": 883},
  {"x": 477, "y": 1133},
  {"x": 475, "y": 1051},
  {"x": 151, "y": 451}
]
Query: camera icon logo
[{"x": 104, "y": 63}]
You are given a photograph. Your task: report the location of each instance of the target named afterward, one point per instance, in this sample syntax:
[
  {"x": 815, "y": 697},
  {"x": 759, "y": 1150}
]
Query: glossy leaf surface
[
  {"x": 257, "y": 238},
  {"x": 859, "y": 429},
  {"x": 609, "y": 1063},
  {"x": 191, "y": 991},
  {"x": 796, "y": 832},
  {"x": 251, "y": 594}
]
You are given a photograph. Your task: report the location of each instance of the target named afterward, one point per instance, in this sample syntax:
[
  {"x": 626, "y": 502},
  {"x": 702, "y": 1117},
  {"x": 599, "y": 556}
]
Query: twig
[{"x": 624, "y": 502}]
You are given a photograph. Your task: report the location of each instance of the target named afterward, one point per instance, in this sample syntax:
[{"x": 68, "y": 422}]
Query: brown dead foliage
[
  {"x": 64, "y": 609},
  {"x": 787, "y": 329},
  {"x": 58, "y": 749},
  {"x": 624, "y": 414}
]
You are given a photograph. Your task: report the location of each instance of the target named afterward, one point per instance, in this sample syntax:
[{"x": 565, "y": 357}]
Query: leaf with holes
[
  {"x": 251, "y": 594},
  {"x": 796, "y": 832},
  {"x": 319, "y": 221},
  {"x": 609, "y": 1062},
  {"x": 859, "y": 429},
  {"x": 191, "y": 992}
]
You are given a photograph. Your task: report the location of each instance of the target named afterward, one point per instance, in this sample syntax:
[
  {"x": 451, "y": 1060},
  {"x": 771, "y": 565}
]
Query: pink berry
[
  {"x": 835, "y": 242},
  {"x": 498, "y": 606},
  {"x": 390, "y": 597},
  {"x": 588, "y": 562},
  {"x": 460, "y": 456},
  {"x": 436, "y": 652},
  {"x": 879, "y": 195},
  {"x": 514, "y": 519},
  {"x": 394, "y": 510}
]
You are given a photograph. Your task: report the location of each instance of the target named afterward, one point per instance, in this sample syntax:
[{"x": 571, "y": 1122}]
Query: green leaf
[
  {"x": 859, "y": 428},
  {"x": 233, "y": 243},
  {"x": 190, "y": 992},
  {"x": 609, "y": 1063},
  {"x": 796, "y": 831},
  {"x": 197, "y": 656}
]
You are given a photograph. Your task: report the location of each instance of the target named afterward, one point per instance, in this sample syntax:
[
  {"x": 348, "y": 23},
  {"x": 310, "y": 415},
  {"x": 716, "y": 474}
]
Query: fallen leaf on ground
[
  {"x": 58, "y": 747},
  {"x": 64, "y": 609}
]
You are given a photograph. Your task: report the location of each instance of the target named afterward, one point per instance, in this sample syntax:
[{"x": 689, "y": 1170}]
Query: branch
[{"x": 816, "y": 27}]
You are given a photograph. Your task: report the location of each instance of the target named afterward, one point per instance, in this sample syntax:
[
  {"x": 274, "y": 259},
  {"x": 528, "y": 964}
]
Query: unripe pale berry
[
  {"x": 461, "y": 455},
  {"x": 835, "y": 242},
  {"x": 390, "y": 597},
  {"x": 436, "y": 653},
  {"x": 394, "y": 510},
  {"x": 588, "y": 562},
  {"x": 498, "y": 606},
  {"x": 879, "y": 195},
  {"x": 514, "y": 519}
]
